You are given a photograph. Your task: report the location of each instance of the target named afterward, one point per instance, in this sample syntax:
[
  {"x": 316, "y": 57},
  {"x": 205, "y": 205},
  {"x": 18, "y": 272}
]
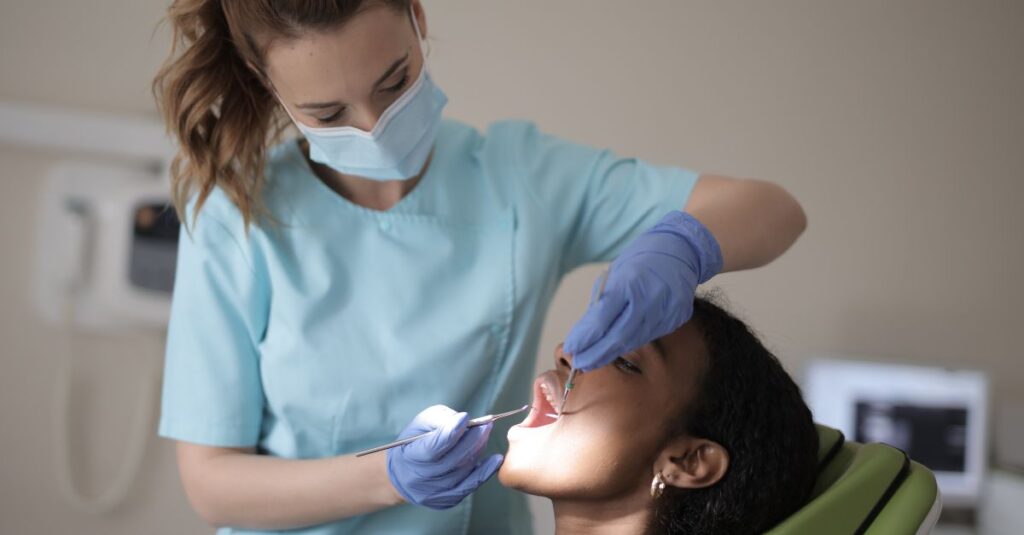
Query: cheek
[{"x": 589, "y": 454}]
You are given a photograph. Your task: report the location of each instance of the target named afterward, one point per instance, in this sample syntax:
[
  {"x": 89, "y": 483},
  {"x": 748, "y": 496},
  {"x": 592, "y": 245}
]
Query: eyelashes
[
  {"x": 627, "y": 366},
  {"x": 400, "y": 85},
  {"x": 330, "y": 119}
]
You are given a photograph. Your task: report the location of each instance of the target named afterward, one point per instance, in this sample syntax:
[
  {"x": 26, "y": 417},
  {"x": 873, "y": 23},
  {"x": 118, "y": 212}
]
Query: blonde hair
[{"x": 215, "y": 99}]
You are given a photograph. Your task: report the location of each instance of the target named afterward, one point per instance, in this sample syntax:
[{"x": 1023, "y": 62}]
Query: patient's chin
[
  {"x": 513, "y": 478},
  {"x": 544, "y": 462},
  {"x": 525, "y": 479},
  {"x": 520, "y": 468},
  {"x": 552, "y": 483},
  {"x": 524, "y": 468},
  {"x": 538, "y": 464}
]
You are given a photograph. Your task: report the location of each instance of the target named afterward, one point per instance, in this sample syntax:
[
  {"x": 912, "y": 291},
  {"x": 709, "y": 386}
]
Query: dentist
[{"x": 339, "y": 289}]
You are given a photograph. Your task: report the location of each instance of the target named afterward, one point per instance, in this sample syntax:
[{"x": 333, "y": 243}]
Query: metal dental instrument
[
  {"x": 475, "y": 422},
  {"x": 569, "y": 385}
]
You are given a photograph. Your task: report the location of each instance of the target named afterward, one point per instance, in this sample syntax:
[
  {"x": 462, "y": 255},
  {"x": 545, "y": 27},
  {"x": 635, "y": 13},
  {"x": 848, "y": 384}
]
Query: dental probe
[
  {"x": 475, "y": 422},
  {"x": 572, "y": 373}
]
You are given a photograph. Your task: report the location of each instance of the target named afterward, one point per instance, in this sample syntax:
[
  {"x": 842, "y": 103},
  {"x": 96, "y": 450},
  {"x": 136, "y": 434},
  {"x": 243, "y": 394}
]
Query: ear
[{"x": 692, "y": 463}]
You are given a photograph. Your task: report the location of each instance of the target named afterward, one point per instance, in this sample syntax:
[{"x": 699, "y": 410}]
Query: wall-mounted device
[
  {"x": 107, "y": 239},
  {"x": 936, "y": 415}
]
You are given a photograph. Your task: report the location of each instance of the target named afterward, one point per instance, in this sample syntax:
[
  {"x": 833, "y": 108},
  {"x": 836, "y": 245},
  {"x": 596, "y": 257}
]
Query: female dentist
[{"x": 390, "y": 268}]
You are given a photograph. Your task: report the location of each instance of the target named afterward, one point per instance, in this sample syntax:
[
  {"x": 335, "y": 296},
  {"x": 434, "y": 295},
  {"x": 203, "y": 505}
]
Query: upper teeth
[{"x": 547, "y": 394}]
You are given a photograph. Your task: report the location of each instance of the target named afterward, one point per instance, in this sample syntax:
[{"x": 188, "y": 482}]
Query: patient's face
[{"x": 614, "y": 424}]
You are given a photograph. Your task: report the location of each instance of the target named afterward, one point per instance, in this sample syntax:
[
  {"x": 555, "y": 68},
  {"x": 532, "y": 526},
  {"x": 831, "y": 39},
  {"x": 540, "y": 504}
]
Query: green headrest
[{"x": 863, "y": 488}]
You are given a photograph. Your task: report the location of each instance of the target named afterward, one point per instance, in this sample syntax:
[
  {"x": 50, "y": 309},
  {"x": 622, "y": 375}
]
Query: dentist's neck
[
  {"x": 372, "y": 194},
  {"x": 622, "y": 516}
]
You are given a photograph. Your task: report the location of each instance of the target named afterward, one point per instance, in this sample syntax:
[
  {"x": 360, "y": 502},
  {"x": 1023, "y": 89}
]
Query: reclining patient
[{"x": 707, "y": 410}]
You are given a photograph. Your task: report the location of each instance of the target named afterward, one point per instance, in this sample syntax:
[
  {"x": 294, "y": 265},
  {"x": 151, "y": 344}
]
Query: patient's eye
[{"x": 627, "y": 366}]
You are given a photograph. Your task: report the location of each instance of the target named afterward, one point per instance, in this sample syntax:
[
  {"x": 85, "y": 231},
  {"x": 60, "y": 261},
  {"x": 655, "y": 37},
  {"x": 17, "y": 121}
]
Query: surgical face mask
[{"x": 399, "y": 143}]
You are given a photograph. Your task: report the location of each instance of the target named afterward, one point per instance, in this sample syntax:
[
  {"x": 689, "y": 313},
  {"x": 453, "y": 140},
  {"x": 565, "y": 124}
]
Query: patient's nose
[{"x": 563, "y": 360}]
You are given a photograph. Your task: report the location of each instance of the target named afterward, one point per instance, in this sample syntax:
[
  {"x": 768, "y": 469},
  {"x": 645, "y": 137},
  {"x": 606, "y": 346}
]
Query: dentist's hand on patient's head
[
  {"x": 649, "y": 291},
  {"x": 439, "y": 470}
]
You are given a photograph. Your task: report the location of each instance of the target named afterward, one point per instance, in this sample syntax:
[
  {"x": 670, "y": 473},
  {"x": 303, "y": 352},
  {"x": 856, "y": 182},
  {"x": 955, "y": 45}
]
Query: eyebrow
[{"x": 394, "y": 66}]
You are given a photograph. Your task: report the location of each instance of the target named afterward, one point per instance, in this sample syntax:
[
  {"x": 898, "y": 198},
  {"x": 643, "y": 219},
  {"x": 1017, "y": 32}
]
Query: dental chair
[{"x": 869, "y": 489}]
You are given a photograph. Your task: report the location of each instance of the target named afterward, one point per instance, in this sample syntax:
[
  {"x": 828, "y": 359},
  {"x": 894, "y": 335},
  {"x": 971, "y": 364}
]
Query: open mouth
[{"x": 547, "y": 391}]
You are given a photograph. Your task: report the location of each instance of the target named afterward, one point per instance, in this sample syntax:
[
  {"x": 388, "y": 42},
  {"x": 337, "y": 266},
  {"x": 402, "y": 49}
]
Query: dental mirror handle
[
  {"x": 568, "y": 388},
  {"x": 572, "y": 373},
  {"x": 475, "y": 422}
]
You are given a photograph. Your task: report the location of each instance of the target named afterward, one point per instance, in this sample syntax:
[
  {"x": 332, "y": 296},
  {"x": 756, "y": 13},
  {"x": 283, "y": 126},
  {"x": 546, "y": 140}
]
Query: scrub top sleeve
[
  {"x": 598, "y": 201},
  {"x": 212, "y": 392}
]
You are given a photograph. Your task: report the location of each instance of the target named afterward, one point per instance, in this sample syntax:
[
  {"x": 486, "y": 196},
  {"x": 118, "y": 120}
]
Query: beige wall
[{"x": 898, "y": 124}]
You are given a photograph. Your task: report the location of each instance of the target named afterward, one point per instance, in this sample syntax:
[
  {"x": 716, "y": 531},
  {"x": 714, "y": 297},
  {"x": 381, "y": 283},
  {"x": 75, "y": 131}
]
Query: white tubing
[{"x": 138, "y": 434}]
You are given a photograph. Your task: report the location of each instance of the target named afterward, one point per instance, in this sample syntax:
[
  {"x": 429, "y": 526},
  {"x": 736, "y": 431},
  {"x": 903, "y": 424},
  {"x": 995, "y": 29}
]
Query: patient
[{"x": 707, "y": 409}]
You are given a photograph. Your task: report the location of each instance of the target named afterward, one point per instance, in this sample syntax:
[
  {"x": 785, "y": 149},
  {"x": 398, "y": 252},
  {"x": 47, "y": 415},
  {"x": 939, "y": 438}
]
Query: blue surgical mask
[{"x": 399, "y": 143}]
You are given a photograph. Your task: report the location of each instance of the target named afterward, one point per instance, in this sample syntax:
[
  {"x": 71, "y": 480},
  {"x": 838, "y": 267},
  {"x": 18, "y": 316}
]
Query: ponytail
[{"x": 218, "y": 110}]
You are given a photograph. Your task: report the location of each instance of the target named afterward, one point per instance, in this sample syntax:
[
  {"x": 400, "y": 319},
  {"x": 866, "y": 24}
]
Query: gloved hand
[
  {"x": 649, "y": 291},
  {"x": 439, "y": 470}
]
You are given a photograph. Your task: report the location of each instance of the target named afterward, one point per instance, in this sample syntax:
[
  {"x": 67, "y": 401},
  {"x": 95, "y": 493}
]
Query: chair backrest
[{"x": 870, "y": 489}]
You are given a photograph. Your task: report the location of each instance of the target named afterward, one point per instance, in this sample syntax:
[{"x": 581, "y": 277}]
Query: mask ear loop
[
  {"x": 273, "y": 90},
  {"x": 280, "y": 103},
  {"x": 424, "y": 51}
]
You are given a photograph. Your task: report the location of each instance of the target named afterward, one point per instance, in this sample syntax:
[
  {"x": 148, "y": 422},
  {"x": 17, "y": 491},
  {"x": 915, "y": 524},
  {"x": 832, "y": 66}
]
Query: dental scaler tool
[
  {"x": 475, "y": 422},
  {"x": 569, "y": 385}
]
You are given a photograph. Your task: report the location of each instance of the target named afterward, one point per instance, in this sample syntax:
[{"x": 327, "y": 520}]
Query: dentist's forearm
[
  {"x": 235, "y": 487},
  {"x": 753, "y": 221}
]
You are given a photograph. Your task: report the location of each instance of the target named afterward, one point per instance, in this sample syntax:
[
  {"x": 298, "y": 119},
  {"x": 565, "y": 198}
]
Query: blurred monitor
[{"x": 936, "y": 415}]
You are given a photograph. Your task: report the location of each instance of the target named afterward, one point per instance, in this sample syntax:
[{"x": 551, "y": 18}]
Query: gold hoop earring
[{"x": 657, "y": 486}]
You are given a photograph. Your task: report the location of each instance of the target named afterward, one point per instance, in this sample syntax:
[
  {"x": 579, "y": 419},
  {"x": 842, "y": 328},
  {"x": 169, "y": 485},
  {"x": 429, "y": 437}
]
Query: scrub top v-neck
[{"x": 326, "y": 330}]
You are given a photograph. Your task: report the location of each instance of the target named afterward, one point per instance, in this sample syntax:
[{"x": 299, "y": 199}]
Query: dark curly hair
[{"x": 750, "y": 405}]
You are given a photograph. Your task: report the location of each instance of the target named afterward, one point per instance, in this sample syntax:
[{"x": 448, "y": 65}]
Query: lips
[{"x": 547, "y": 392}]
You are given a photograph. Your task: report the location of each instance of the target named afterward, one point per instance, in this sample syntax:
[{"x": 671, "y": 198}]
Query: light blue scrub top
[{"x": 327, "y": 333}]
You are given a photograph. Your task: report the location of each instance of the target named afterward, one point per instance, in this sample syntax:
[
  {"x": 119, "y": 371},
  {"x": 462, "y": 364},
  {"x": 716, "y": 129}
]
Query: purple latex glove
[
  {"x": 649, "y": 291},
  {"x": 439, "y": 470}
]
